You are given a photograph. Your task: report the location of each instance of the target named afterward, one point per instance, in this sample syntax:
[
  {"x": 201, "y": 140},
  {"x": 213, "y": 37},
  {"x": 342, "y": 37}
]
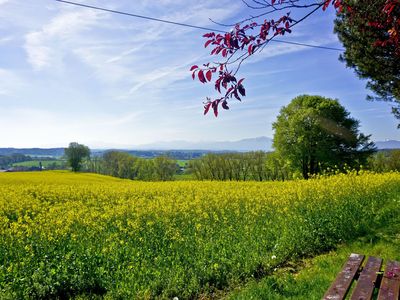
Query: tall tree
[
  {"x": 165, "y": 168},
  {"x": 75, "y": 153},
  {"x": 315, "y": 133},
  {"x": 368, "y": 35}
]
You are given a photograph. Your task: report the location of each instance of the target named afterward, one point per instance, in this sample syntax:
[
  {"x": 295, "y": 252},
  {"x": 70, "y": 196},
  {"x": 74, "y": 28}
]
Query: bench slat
[
  {"x": 390, "y": 285},
  {"x": 367, "y": 281},
  {"x": 341, "y": 285}
]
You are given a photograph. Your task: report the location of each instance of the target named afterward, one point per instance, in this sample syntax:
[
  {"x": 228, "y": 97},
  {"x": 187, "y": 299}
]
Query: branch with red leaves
[
  {"x": 246, "y": 38},
  {"x": 250, "y": 36}
]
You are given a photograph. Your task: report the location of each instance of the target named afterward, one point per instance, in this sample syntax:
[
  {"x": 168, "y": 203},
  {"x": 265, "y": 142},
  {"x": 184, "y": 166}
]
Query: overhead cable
[{"x": 187, "y": 25}]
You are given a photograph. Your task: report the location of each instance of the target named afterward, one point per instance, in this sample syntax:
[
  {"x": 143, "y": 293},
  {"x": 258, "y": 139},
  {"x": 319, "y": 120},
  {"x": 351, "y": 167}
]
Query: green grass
[
  {"x": 184, "y": 177},
  {"x": 182, "y": 162},
  {"x": 310, "y": 278},
  {"x": 35, "y": 163}
]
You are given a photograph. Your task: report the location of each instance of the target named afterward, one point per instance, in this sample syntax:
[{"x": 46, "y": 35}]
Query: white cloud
[
  {"x": 39, "y": 56},
  {"x": 153, "y": 51},
  {"x": 47, "y": 46}
]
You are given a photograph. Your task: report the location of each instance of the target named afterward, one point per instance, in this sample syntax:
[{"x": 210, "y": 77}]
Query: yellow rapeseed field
[{"x": 86, "y": 235}]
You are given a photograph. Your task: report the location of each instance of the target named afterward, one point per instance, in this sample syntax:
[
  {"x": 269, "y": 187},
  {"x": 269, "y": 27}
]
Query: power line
[
  {"x": 187, "y": 25},
  {"x": 138, "y": 16}
]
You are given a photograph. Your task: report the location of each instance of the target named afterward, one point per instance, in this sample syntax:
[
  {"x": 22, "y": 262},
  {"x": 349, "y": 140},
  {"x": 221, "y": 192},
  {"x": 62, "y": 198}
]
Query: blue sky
[{"x": 74, "y": 74}]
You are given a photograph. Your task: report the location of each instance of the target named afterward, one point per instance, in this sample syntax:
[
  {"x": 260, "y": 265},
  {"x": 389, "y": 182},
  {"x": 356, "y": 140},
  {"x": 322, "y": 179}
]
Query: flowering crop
[{"x": 66, "y": 235}]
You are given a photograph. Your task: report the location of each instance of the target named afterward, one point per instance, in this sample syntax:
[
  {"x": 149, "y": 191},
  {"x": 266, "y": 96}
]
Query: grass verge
[{"x": 310, "y": 278}]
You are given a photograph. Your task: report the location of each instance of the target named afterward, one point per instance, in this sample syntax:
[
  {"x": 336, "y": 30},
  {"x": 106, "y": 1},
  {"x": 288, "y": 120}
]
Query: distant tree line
[
  {"x": 123, "y": 165},
  {"x": 385, "y": 161},
  {"x": 258, "y": 166},
  {"x": 249, "y": 166},
  {"x": 6, "y": 161},
  {"x": 263, "y": 166},
  {"x": 175, "y": 154}
]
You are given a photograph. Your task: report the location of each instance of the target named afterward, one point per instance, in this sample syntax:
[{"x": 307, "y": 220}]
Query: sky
[{"x": 70, "y": 73}]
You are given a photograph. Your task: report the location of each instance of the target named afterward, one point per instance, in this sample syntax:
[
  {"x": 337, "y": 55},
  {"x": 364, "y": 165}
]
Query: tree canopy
[
  {"x": 75, "y": 153},
  {"x": 366, "y": 35},
  {"x": 123, "y": 165},
  {"x": 315, "y": 133}
]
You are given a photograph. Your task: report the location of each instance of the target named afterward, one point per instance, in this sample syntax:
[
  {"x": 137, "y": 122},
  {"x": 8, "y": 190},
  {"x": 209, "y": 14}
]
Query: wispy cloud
[
  {"x": 9, "y": 83},
  {"x": 153, "y": 55},
  {"x": 47, "y": 45},
  {"x": 274, "y": 49},
  {"x": 6, "y": 39}
]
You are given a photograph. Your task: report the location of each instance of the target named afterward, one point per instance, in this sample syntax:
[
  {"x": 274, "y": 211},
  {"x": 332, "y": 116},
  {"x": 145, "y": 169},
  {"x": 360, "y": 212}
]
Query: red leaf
[
  {"x": 215, "y": 107},
  {"x": 209, "y": 75},
  {"x": 240, "y": 81},
  {"x": 250, "y": 49},
  {"x": 236, "y": 95},
  {"x": 201, "y": 76},
  {"x": 228, "y": 40},
  {"x": 207, "y": 108},
  {"x": 207, "y": 43},
  {"x": 208, "y": 35},
  {"x": 193, "y": 75},
  {"x": 224, "y": 53},
  {"x": 218, "y": 85},
  {"x": 241, "y": 90},
  {"x": 326, "y": 4},
  {"x": 194, "y": 67},
  {"x": 225, "y": 105}
]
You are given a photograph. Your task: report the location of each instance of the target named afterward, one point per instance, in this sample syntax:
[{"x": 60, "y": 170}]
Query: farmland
[
  {"x": 36, "y": 163},
  {"x": 85, "y": 235}
]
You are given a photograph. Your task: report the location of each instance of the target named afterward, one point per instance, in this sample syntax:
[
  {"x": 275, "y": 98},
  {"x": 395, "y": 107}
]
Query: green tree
[
  {"x": 146, "y": 169},
  {"x": 165, "y": 168},
  {"x": 120, "y": 164},
  {"x": 75, "y": 153},
  {"x": 360, "y": 30},
  {"x": 385, "y": 161},
  {"x": 315, "y": 133}
]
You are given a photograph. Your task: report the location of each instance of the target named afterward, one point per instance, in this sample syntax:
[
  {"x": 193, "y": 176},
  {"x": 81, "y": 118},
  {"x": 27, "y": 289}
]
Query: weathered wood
[
  {"x": 341, "y": 285},
  {"x": 390, "y": 285},
  {"x": 367, "y": 281}
]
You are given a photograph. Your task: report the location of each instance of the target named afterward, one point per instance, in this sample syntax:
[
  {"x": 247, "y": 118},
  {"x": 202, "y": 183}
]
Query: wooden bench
[{"x": 369, "y": 277}]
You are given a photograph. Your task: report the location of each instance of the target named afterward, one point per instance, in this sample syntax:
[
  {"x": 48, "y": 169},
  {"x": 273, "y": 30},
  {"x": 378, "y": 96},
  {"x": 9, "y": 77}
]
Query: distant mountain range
[
  {"x": 33, "y": 151},
  {"x": 389, "y": 144},
  {"x": 251, "y": 144}
]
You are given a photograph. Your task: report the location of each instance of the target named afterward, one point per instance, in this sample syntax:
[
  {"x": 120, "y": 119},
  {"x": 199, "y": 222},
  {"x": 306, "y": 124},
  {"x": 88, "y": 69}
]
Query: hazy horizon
[{"x": 168, "y": 145}]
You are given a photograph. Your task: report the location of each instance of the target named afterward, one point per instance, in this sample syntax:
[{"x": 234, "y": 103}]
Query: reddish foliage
[
  {"x": 391, "y": 13},
  {"x": 246, "y": 38}
]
